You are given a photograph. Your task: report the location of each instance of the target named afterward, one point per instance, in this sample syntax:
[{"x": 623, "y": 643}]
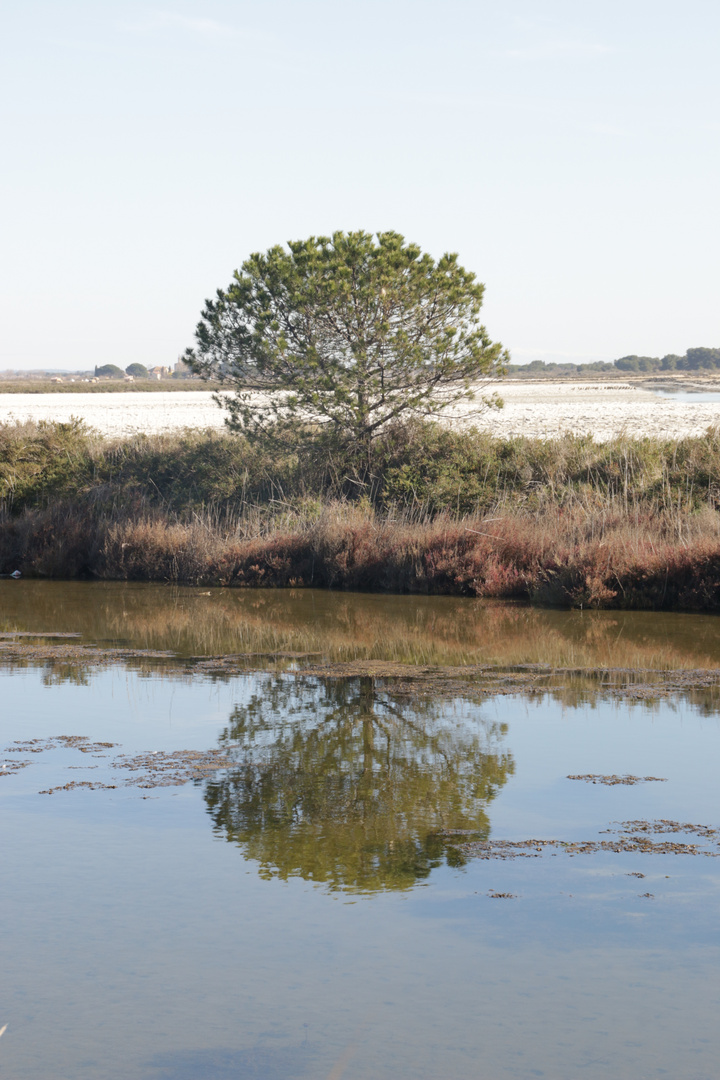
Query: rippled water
[{"x": 352, "y": 878}]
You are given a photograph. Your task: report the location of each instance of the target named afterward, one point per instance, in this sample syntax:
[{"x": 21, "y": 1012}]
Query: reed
[
  {"x": 632, "y": 524},
  {"x": 574, "y": 557}
]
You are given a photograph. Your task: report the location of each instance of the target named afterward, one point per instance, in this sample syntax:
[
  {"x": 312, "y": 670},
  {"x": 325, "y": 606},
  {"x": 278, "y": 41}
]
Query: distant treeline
[{"x": 699, "y": 359}]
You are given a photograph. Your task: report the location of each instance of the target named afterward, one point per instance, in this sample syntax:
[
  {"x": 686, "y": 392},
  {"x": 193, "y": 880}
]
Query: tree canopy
[
  {"x": 138, "y": 371},
  {"x": 697, "y": 359},
  {"x": 111, "y": 370},
  {"x": 343, "y": 335}
]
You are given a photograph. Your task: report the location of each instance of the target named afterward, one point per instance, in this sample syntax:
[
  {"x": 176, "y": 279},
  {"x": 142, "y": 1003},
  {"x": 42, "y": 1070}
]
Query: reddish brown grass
[{"x": 575, "y": 557}]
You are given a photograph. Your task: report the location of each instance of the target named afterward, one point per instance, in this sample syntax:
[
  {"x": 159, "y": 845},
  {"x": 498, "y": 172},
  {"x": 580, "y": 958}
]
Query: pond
[
  {"x": 285, "y": 864},
  {"x": 691, "y": 396}
]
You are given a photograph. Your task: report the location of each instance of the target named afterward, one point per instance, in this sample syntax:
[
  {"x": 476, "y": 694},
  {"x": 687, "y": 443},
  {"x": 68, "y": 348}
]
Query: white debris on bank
[{"x": 542, "y": 409}]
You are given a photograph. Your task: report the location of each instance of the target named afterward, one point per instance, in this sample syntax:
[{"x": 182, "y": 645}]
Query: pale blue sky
[{"x": 568, "y": 151}]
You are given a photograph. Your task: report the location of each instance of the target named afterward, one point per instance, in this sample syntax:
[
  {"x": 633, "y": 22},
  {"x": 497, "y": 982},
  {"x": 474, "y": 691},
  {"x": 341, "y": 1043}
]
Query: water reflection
[
  {"x": 342, "y": 626},
  {"x": 64, "y": 674},
  {"x": 342, "y": 782}
]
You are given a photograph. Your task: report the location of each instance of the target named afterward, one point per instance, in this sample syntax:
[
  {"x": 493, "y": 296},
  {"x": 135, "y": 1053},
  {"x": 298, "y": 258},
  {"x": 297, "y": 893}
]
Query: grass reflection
[{"x": 345, "y": 627}]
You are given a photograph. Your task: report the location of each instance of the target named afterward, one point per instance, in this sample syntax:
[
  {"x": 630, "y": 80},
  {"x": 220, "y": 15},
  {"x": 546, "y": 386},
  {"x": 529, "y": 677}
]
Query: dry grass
[
  {"x": 632, "y": 524},
  {"x": 607, "y": 558},
  {"x": 104, "y": 386}
]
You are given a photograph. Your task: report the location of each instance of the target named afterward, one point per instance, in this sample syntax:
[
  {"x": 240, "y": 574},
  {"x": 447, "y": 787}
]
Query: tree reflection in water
[{"x": 341, "y": 781}]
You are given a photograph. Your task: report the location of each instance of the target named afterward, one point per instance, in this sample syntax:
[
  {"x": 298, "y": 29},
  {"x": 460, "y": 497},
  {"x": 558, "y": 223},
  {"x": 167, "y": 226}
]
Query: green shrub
[{"x": 423, "y": 467}]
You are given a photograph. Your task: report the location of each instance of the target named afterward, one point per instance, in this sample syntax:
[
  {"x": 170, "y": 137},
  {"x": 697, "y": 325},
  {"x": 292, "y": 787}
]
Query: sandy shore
[{"x": 539, "y": 409}]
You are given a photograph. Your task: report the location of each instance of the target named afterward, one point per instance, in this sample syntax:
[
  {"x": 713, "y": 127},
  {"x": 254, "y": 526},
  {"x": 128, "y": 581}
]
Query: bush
[
  {"x": 42, "y": 462},
  {"x": 420, "y": 468}
]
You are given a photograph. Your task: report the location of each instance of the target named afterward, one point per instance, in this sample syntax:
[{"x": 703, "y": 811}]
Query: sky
[{"x": 568, "y": 152}]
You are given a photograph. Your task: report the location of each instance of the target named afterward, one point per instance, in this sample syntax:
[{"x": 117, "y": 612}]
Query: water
[
  {"x": 691, "y": 396},
  {"x": 320, "y": 905},
  {"x": 352, "y": 626}
]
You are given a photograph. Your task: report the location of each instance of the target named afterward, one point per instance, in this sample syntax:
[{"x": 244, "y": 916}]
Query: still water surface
[
  {"x": 310, "y": 908},
  {"x": 690, "y": 396},
  {"x": 354, "y": 626}
]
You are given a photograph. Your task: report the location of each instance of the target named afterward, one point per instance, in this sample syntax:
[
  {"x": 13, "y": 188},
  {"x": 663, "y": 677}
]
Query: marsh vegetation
[{"x": 627, "y": 523}]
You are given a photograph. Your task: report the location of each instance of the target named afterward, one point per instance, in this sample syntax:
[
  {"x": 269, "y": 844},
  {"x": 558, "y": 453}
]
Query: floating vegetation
[
  {"x": 73, "y": 742},
  {"x": 665, "y": 825},
  {"x": 612, "y": 780},
  {"x": 7, "y": 768},
  {"x": 37, "y": 746},
  {"x": 73, "y": 661},
  {"x": 20, "y": 653},
  {"x": 159, "y": 769},
  {"x": 77, "y": 784},
  {"x": 631, "y": 836},
  {"x": 154, "y": 768}
]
